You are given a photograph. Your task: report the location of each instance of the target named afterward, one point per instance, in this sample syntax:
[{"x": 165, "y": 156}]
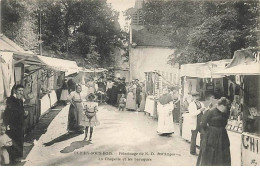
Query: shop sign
[{"x": 250, "y": 150}]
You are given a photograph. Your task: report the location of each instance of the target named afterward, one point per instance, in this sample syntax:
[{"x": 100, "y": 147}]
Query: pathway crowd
[{"x": 83, "y": 115}]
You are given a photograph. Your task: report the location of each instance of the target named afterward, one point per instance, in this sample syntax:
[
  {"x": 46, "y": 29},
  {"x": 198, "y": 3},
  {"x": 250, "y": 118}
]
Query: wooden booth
[
  {"x": 198, "y": 77},
  {"x": 244, "y": 122}
]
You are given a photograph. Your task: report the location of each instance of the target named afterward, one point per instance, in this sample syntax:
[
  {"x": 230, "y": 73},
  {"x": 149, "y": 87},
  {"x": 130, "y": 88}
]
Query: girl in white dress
[{"x": 89, "y": 119}]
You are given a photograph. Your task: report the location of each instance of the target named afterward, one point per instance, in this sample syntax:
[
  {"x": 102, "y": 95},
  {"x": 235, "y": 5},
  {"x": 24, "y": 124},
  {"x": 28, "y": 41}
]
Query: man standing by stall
[
  {"x": 13, "y": 117},
  {"x": 195, "y": 110}
]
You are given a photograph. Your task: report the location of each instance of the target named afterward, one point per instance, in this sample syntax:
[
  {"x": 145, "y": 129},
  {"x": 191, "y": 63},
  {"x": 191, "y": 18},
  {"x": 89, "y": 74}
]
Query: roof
[
  {"x": 19, "y": 57},
  {"x": 8, "y": 45},
  {"x": 144, "y": 37},
  {"x": 243, "y": 63},
  {"x": 242, "y": 69},
  {"x": 60, "y": 64},
  {"x": 203, "y": 70}
]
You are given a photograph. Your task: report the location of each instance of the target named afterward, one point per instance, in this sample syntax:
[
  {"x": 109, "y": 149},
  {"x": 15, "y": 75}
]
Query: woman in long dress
[
  {"x": 165, "y": 119},
  {"x": 89, "y": 119},
  {"x": 143, "y": 95},
  {"x": 64, "y": 92},
  {"x": 131, "y": 97},
  {"x": 109, "y": 91},
  {"x": 215, "y": 144},
  {"x": 75, "y": 110}
]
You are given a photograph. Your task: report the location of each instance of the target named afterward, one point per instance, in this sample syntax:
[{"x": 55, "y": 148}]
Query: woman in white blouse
[{"x": 75, "y": 110}]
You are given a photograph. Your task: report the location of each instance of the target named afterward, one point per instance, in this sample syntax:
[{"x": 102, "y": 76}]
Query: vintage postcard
[{"x": 129, "y": 83}]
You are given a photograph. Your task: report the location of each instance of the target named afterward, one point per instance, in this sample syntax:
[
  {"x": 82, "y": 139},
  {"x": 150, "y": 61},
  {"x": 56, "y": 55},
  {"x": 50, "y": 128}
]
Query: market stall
[
  {"x": 152, "y": 84},
  {"x": 199, "y": 77},
  {"x": 155, "y": 82},
  {"x": 244, "y": 122},
  {"x": 52, "y": 79},
  {"x": 22, "y": 68}
]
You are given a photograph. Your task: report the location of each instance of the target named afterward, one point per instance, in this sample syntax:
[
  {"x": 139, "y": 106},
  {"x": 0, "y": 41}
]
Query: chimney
[{"x": 139, "y": 4}]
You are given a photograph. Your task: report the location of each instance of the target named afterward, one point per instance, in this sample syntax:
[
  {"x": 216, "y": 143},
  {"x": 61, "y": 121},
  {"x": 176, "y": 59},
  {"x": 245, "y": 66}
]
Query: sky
[{"x": 121, "y": 5}]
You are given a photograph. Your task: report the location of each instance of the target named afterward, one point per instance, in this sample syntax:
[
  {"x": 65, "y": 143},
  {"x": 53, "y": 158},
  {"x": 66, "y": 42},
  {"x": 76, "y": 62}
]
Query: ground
[
  {"x": 123, "y": 138},
  {"x": 118, "y": 133}
]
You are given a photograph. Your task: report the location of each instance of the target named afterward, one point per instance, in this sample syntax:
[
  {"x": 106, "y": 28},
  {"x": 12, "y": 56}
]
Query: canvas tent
[{"x": 243, "y": 63}]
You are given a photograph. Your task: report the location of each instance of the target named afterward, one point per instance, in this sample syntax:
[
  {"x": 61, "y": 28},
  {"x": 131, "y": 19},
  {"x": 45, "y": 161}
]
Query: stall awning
[
  {"x": 60, "y": 64},
  {"x": 204, "y": 70},
  {"x": 10, "y": 46},
  {"x": 99, "y": 70},
  {"x": 242, "y": 69},
  {"x": 20, "y": 57},
  {"x": 86, "y": 70},
  {"x": 243, "y": 63}
]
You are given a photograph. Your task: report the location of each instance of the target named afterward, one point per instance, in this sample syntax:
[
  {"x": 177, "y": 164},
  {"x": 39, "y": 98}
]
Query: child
[
  {"x": 5, "y": 142},
  {"x": 122, "y": 103},
  {"x": 89, "y": 119}
]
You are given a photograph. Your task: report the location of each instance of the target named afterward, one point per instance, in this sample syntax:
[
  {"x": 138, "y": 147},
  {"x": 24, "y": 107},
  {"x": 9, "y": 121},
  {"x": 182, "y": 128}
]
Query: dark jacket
[
  {"x": 121, "y": 89},
  {"x": 14, "y": 112}
]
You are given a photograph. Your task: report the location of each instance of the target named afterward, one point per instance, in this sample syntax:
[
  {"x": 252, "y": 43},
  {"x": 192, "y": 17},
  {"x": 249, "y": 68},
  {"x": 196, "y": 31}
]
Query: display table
[
  {"x": 235, "y": 147},
  {"x": 149, "y": 106},
  {"x": 186, "y": 128},
  {"x": 53, "y": 98},
  {"x": 45, "y": 104},
  {"x": 250, "y": 149}
]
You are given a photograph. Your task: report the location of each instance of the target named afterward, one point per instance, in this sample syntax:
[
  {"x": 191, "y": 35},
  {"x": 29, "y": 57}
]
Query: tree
[
  {"x": 19, "y": 22},
  {"x": 205, "y": 30},
  {"x": 67, "y": 28}
]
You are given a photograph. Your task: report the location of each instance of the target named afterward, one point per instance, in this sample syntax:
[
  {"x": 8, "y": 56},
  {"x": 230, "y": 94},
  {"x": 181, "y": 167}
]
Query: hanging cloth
[{"x": 7, "y": 72}]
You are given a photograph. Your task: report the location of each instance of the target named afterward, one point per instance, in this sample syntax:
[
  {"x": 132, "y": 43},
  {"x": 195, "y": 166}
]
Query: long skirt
[
  {"x": 113, "y": 97},
  {"x": 142, "y": 104},
  {"x": 109, "y": 96},
  {"x": 215, "y": 149},
  {"x": 165, "y": 120},
  {"x": 64, "y": 95},
  {"x": 75, "y": 116},
  {"x": 130, "y": 101}
]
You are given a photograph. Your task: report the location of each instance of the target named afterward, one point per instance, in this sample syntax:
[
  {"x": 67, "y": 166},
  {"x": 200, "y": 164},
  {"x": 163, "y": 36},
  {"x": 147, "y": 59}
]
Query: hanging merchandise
[
  {"x": 18, "y": 75},
  {"x": 1, "y": 85},
  {"x": 8, "y": 72},
  {"x": 238, "y": 79}
]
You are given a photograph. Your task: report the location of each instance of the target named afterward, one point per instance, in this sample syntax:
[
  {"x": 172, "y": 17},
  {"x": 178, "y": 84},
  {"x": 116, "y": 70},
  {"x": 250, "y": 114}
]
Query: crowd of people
[
  {"x": 115, "y": 92},
  {"x": 209, "y": 121}
]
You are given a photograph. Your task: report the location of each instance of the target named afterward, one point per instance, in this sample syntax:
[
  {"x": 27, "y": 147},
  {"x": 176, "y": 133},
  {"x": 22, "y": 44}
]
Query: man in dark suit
[{"x": 13, "y": 117}]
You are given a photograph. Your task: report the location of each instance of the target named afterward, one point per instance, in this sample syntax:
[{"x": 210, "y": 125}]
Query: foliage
[
  {"x": 205, "y": 30},
  {"x": 18, "y": 22},
  {"x": 83, "y": 30}
]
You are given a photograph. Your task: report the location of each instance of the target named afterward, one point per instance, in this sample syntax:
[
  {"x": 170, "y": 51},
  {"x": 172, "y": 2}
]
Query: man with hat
[{"x": 195, "y": 109}]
